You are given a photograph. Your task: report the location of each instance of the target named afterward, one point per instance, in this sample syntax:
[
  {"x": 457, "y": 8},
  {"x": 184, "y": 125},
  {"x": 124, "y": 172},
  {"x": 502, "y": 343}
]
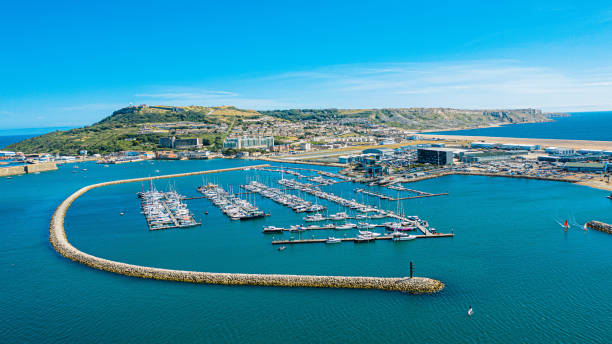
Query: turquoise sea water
[
  {"x": 527, "y": 280},
  {"x": 579, "y": 126}
]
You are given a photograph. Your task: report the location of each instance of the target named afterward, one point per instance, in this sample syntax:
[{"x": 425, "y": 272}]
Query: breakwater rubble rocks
[
  {"x": 57, "y": 237},
  {"x": 600, "y": 226}
]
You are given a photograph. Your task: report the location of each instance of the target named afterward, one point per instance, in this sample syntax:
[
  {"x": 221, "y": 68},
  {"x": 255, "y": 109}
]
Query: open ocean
[
  {"x": 10, "y": 136},
  {"x": 596, "y": 126},
  {"x": 527, "y": 280}
]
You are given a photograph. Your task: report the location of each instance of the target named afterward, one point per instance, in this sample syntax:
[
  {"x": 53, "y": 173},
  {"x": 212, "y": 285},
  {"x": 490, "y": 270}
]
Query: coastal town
[{"x": 367, "y": 152}]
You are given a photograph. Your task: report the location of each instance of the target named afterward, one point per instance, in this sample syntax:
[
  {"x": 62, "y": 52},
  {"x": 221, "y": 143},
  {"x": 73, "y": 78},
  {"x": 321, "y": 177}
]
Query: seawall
[
  {"x": 22, "y": 169},
  {"x": 57, "y": 237},
  {"x": 11, "y": 171},
  {"x": 41, "y": 167}
]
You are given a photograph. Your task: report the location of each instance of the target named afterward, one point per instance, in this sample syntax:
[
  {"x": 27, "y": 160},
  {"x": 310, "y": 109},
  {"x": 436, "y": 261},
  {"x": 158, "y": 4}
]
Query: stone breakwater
[
  {"x": 600, "y": 226},
  {"x": 57, "y": 237}
]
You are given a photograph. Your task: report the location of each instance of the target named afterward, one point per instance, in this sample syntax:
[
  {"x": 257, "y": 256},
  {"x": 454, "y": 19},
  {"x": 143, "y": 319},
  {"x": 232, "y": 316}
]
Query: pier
[
  {"x": 420, "y": 194},
  {"x": 59, "y": 240},
  {"x": 165, "y": 210},
  {"x": 231, "y": 205},
  {"x": 382, "y": 237},
  {"x": 277, "y": 195}
]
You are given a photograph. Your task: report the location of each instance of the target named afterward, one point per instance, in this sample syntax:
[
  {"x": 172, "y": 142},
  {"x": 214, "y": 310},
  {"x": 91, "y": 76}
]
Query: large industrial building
[
  {"x": 506, "y": 146},
  {"x": 245, "y": 142},
  {"x": 435, "y": 156},
  {"x": 597, "y": 167},
  {"x": 480, "y": 156}
]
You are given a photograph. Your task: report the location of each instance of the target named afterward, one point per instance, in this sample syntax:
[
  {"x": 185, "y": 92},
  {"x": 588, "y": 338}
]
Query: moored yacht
[{"x": 333, "y": 240}]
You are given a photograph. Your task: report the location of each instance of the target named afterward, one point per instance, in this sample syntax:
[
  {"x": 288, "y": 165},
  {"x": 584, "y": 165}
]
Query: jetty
[
  {"x": 59, "y": 240},
  {"x": 231, "y": 205},
  {"x": 165, "y": 210},
  {"x": 382, "y": 237},
  {"x": 419, "y": 194}
]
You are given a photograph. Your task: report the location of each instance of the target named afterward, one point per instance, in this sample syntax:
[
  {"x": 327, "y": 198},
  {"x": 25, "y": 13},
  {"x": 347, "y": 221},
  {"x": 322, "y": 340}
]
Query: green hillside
[
  {"x": 123, "y": 130},
  {"x": 119, "y": 131},
  {"x": 415, "y": 118}
]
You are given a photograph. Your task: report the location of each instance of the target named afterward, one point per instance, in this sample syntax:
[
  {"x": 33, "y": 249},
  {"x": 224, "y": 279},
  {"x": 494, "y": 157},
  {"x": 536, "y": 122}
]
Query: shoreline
[
  {"x": 575, "y": 144},
  {"x": 59, "y": 241},
  {"x": 588, "y": 183},
  {"x": 493, "y": 125}
]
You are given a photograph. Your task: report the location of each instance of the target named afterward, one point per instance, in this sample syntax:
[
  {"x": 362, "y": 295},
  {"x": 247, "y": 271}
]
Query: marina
[
  {"x": 294, "y": 202},
  {"x": 164, "y": 210},
  {"x": 405, "y": 221},
  {"x": 93, "y": 225},
  {"x": 231, "y": 205}
]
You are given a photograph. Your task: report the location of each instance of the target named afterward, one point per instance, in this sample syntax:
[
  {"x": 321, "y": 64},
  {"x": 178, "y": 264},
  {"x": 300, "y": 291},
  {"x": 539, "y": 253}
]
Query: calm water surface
[
  {"x": 10, "y": 136},
  {"x": 526, "y": 279},
  {"x": 579, "y": 126}
]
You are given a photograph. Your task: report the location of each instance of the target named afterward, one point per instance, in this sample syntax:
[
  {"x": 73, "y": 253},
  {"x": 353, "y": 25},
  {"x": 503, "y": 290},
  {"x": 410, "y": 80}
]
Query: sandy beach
[{"x": 576, "y": 144}]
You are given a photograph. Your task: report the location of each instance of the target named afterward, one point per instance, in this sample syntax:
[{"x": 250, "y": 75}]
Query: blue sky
[{"x": 69, "y": 63}]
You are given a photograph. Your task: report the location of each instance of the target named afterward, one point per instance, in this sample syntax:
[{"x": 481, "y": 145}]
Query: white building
[
  {"x": 559, "y": 151},
  {"x": 305, "y": 146},
  {"x": 7, "y": 154}
]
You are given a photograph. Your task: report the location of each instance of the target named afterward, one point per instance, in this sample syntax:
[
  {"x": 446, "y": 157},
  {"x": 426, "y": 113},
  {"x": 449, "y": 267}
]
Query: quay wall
[
  {"x": 11, "y": 171},
  {"x": 41, "y": 167},
  {"x": 600, "y": 226},
  {"x": 23, "y": 169},
  {"x": 57, "y": 237}
]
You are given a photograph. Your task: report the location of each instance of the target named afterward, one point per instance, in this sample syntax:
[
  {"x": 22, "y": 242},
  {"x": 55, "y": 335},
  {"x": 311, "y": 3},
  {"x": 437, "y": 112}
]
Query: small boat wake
[{"x": 570, "y": 222}]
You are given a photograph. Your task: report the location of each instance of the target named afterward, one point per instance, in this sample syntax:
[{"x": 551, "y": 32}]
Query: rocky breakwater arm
[
  {"x": 600, "y": 226},
  {"x": 57, "y": 237}
]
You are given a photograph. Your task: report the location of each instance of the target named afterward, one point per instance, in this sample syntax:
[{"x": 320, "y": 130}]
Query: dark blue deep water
[
  {"x": 527, "y": 280},
  {"x": 10, "y": 136},
  {"x": 595, "y": 126}
]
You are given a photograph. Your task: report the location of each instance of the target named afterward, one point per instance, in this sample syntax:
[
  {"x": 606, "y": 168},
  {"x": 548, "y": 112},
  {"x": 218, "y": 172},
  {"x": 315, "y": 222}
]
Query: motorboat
[
  {"x": 314, "y": 218},
  {"x": 338, "y": 216},
  {"x": 313, "y": 227},
  {"x": 368, "y": 233},
  {"x": 363, "y": 238},
  {"x": 404, "y": 237},
  {"x": 346, "y": 226},
  {"x": 333, "y": 240},
  {"x": 272, "y": 229}
]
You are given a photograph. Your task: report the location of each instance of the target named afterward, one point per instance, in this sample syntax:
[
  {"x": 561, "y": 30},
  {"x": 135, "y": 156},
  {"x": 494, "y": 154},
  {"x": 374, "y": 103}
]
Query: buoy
[{"x": 470, "y": 311}]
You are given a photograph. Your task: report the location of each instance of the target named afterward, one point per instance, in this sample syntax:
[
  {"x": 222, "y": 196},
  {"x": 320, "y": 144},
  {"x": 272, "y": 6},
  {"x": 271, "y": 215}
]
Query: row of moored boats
[
  {"x": 315, "y": 191},
  {"x": 294, "y": 202},
  {"x": 164, "y": 210},
  {"x": 231, "y": 205}
]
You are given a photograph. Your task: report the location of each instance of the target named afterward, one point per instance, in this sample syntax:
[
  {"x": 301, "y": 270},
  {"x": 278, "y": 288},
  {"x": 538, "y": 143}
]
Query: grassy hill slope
[{"x": 120, "y": 131}]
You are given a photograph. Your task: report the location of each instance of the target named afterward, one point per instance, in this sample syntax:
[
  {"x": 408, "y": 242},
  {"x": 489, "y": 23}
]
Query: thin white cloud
[
  {"x": 90, "y": 107},
  {"x": 500, "y": 83},
  {"x": 202, "y": 94},
  {"x": 480, "y": 84}
]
